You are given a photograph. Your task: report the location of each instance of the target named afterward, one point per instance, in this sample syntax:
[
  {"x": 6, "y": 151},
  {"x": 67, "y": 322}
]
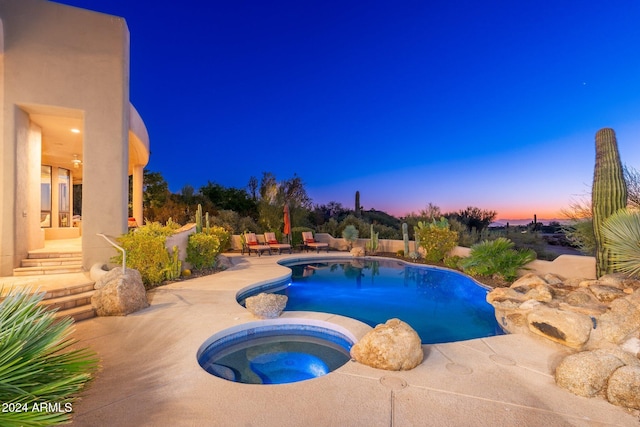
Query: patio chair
[
  {"x": 309, "y": 242},
  {"x": 252, "y": 244},
  {"x": 270, "y": 239}
]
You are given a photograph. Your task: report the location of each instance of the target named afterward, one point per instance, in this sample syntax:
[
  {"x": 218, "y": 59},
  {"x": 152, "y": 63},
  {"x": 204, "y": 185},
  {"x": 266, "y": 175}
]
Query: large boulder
[
  {"x": 118, "y": 294},
  {"x": 586, "y": 373},
  {"x": 565, "y": 327},
  {"x": 265, "y": 305},
  {"x": 623, "y": 388},
  {"x": 619, "y": 323},
  {"x": 223, "y": 262},
  {"x": 394, "y": 346}
]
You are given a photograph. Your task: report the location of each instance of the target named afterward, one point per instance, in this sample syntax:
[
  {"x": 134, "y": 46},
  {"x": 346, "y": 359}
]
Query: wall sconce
[{"x": 76, "y": 161}]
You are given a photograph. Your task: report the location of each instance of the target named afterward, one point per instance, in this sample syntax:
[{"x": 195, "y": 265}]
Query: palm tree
[{"x": 40, "y": 374}]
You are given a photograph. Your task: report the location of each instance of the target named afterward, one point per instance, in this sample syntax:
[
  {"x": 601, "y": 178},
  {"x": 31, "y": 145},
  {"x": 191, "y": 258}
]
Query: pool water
[
  {"x": 275, "y": 354},
  {"x": 441, "y": 305}
]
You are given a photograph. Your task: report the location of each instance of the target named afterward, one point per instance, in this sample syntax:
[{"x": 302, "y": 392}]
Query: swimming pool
[{"x": 441, "y": 305}]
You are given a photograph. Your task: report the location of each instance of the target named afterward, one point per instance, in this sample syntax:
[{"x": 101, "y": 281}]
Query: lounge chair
[
  {"x": 310, "y": 243},
  {"x": 270, "y": 239},
  {"x": 252, "y": 244}
]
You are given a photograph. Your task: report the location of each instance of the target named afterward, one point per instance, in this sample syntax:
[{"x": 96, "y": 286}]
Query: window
[
  {"x": 64, "y": 200},
  {"x": 45, "y": 196}
]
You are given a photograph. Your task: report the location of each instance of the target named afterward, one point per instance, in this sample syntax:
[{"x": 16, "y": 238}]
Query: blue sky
[{"x": 493, "y": 104}]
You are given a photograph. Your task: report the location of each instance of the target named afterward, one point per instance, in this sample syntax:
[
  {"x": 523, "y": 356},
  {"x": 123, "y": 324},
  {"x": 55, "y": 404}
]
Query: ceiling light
[{"x": 76, "y": 161}]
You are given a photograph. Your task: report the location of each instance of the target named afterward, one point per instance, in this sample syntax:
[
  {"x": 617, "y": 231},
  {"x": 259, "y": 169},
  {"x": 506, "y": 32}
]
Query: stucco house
[{"x": 66, "y": 124}]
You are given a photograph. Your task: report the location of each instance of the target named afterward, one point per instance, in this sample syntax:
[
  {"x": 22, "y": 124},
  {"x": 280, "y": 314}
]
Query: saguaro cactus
[
  {"x": 405, "y": 238},
  {"x": 199, "y": 219},
  {"x": 358, "y": 204},
  {"x": 608, "y": 193}
]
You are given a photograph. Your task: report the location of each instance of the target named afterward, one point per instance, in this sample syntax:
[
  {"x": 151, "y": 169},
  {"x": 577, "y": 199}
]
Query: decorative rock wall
[{"x": 599, "y": 318}]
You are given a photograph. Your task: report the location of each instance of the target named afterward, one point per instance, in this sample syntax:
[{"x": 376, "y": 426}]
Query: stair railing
[{"x": 124, "y": 253}]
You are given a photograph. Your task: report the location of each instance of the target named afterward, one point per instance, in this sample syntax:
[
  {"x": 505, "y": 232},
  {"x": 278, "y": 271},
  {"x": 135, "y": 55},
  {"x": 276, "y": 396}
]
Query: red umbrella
[{"x": 287, "y": 222}]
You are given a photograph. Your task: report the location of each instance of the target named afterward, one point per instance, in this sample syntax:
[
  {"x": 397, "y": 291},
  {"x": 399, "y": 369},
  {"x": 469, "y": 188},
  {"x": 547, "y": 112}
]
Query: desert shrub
[
  {"x": 223, "y": 235},
  {"x": 350, "y": 235},
  {"x": 330, "y": 227},
  {"x": 358, "y": 223},
  {"x": 386, "y": 232},
  {"x": 622, "y": 234},
  {"x": 146, "y": 252},
  {"x": 233, "y": 222},
  {"x": 452, "y": 261},
  {"x": 436, "y": 239},
  {"x": 38, "y": 364},
  {"x": 202, "y": 250},
  {"x": 580, "y": 234},
  {"x": 496, "y": 257}
]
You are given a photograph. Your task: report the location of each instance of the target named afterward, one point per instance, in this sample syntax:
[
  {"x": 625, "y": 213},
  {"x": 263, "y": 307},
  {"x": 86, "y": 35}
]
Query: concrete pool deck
[{"x": 149, "y": 375}]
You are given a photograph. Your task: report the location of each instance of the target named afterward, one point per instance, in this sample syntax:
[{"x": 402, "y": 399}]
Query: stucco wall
[{"x": 57, "y": 59}]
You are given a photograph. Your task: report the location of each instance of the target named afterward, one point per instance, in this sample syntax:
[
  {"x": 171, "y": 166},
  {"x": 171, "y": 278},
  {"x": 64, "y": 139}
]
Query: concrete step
[
  {"x": 77, "y": 313},
  {"x": 69, "y": 290},
  {"x": 73, "y": 301},
  {"x": 42, "y": 262},
  {"x": 47, "y": 269},
  {"x": 69, "y": 301},
  {"x": 54, "y": 254}
]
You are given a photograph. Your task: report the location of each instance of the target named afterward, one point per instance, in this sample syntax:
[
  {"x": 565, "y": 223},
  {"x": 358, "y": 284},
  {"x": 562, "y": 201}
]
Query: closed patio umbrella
[{"x": 287, "y": 223}]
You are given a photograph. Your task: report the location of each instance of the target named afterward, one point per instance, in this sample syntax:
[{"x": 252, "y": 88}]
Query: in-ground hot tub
[{"x": 276, "y": 351}]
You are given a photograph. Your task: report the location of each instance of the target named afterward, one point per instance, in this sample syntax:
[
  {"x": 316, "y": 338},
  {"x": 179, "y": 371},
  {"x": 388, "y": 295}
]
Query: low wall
[
  {"x": 57, "y": 233},
  {"x": 180, "y": 239},
  {"x": 565, "y": 266}
]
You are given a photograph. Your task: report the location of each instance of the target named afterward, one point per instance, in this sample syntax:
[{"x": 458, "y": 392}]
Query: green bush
[
  {"x": 202, "y": 250},
  {"x": 223, "y": 235},
  {"x": 452, "y": 261},
  {"x": 37, "y": 362},
  {"x": 146, "y": 252},
  {"x": 496, "y": 257},
  {"x": 436, "y": 239}
]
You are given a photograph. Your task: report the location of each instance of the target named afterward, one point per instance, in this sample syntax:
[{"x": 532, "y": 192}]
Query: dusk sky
[{"x": 493, "y": 104}]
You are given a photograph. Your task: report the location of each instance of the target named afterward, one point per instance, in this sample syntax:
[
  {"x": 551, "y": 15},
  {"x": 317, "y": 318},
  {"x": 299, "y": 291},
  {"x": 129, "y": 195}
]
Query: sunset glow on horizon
[{"x": 494, "y": 106}]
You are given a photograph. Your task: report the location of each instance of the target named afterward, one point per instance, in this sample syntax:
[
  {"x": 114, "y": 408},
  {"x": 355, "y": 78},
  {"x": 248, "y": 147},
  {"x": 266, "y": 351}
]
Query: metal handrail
[{"x": 124, "y": 253}]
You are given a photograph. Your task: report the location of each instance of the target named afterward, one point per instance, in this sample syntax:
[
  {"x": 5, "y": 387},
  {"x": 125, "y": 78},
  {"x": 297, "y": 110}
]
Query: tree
[
  {"x": 632, "y": 178},
  {"x": 275, "y": 195},
  {"x": 473, "y": 218},
  {"x": 253, "y": 188},
  {"x": 155, "y": 189},
  {"x": 431, "y": 212},
  {"x": 229, "y": 198}
]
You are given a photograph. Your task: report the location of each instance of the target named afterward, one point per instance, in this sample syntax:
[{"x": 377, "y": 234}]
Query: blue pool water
[
  {"x": 441, "y": 305},
  {"x": 265, "y": 353}
]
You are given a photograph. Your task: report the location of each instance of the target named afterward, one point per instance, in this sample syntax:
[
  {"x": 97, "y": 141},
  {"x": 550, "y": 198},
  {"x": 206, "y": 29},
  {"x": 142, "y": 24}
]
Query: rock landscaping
[{"x": 599, "y": 319}]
